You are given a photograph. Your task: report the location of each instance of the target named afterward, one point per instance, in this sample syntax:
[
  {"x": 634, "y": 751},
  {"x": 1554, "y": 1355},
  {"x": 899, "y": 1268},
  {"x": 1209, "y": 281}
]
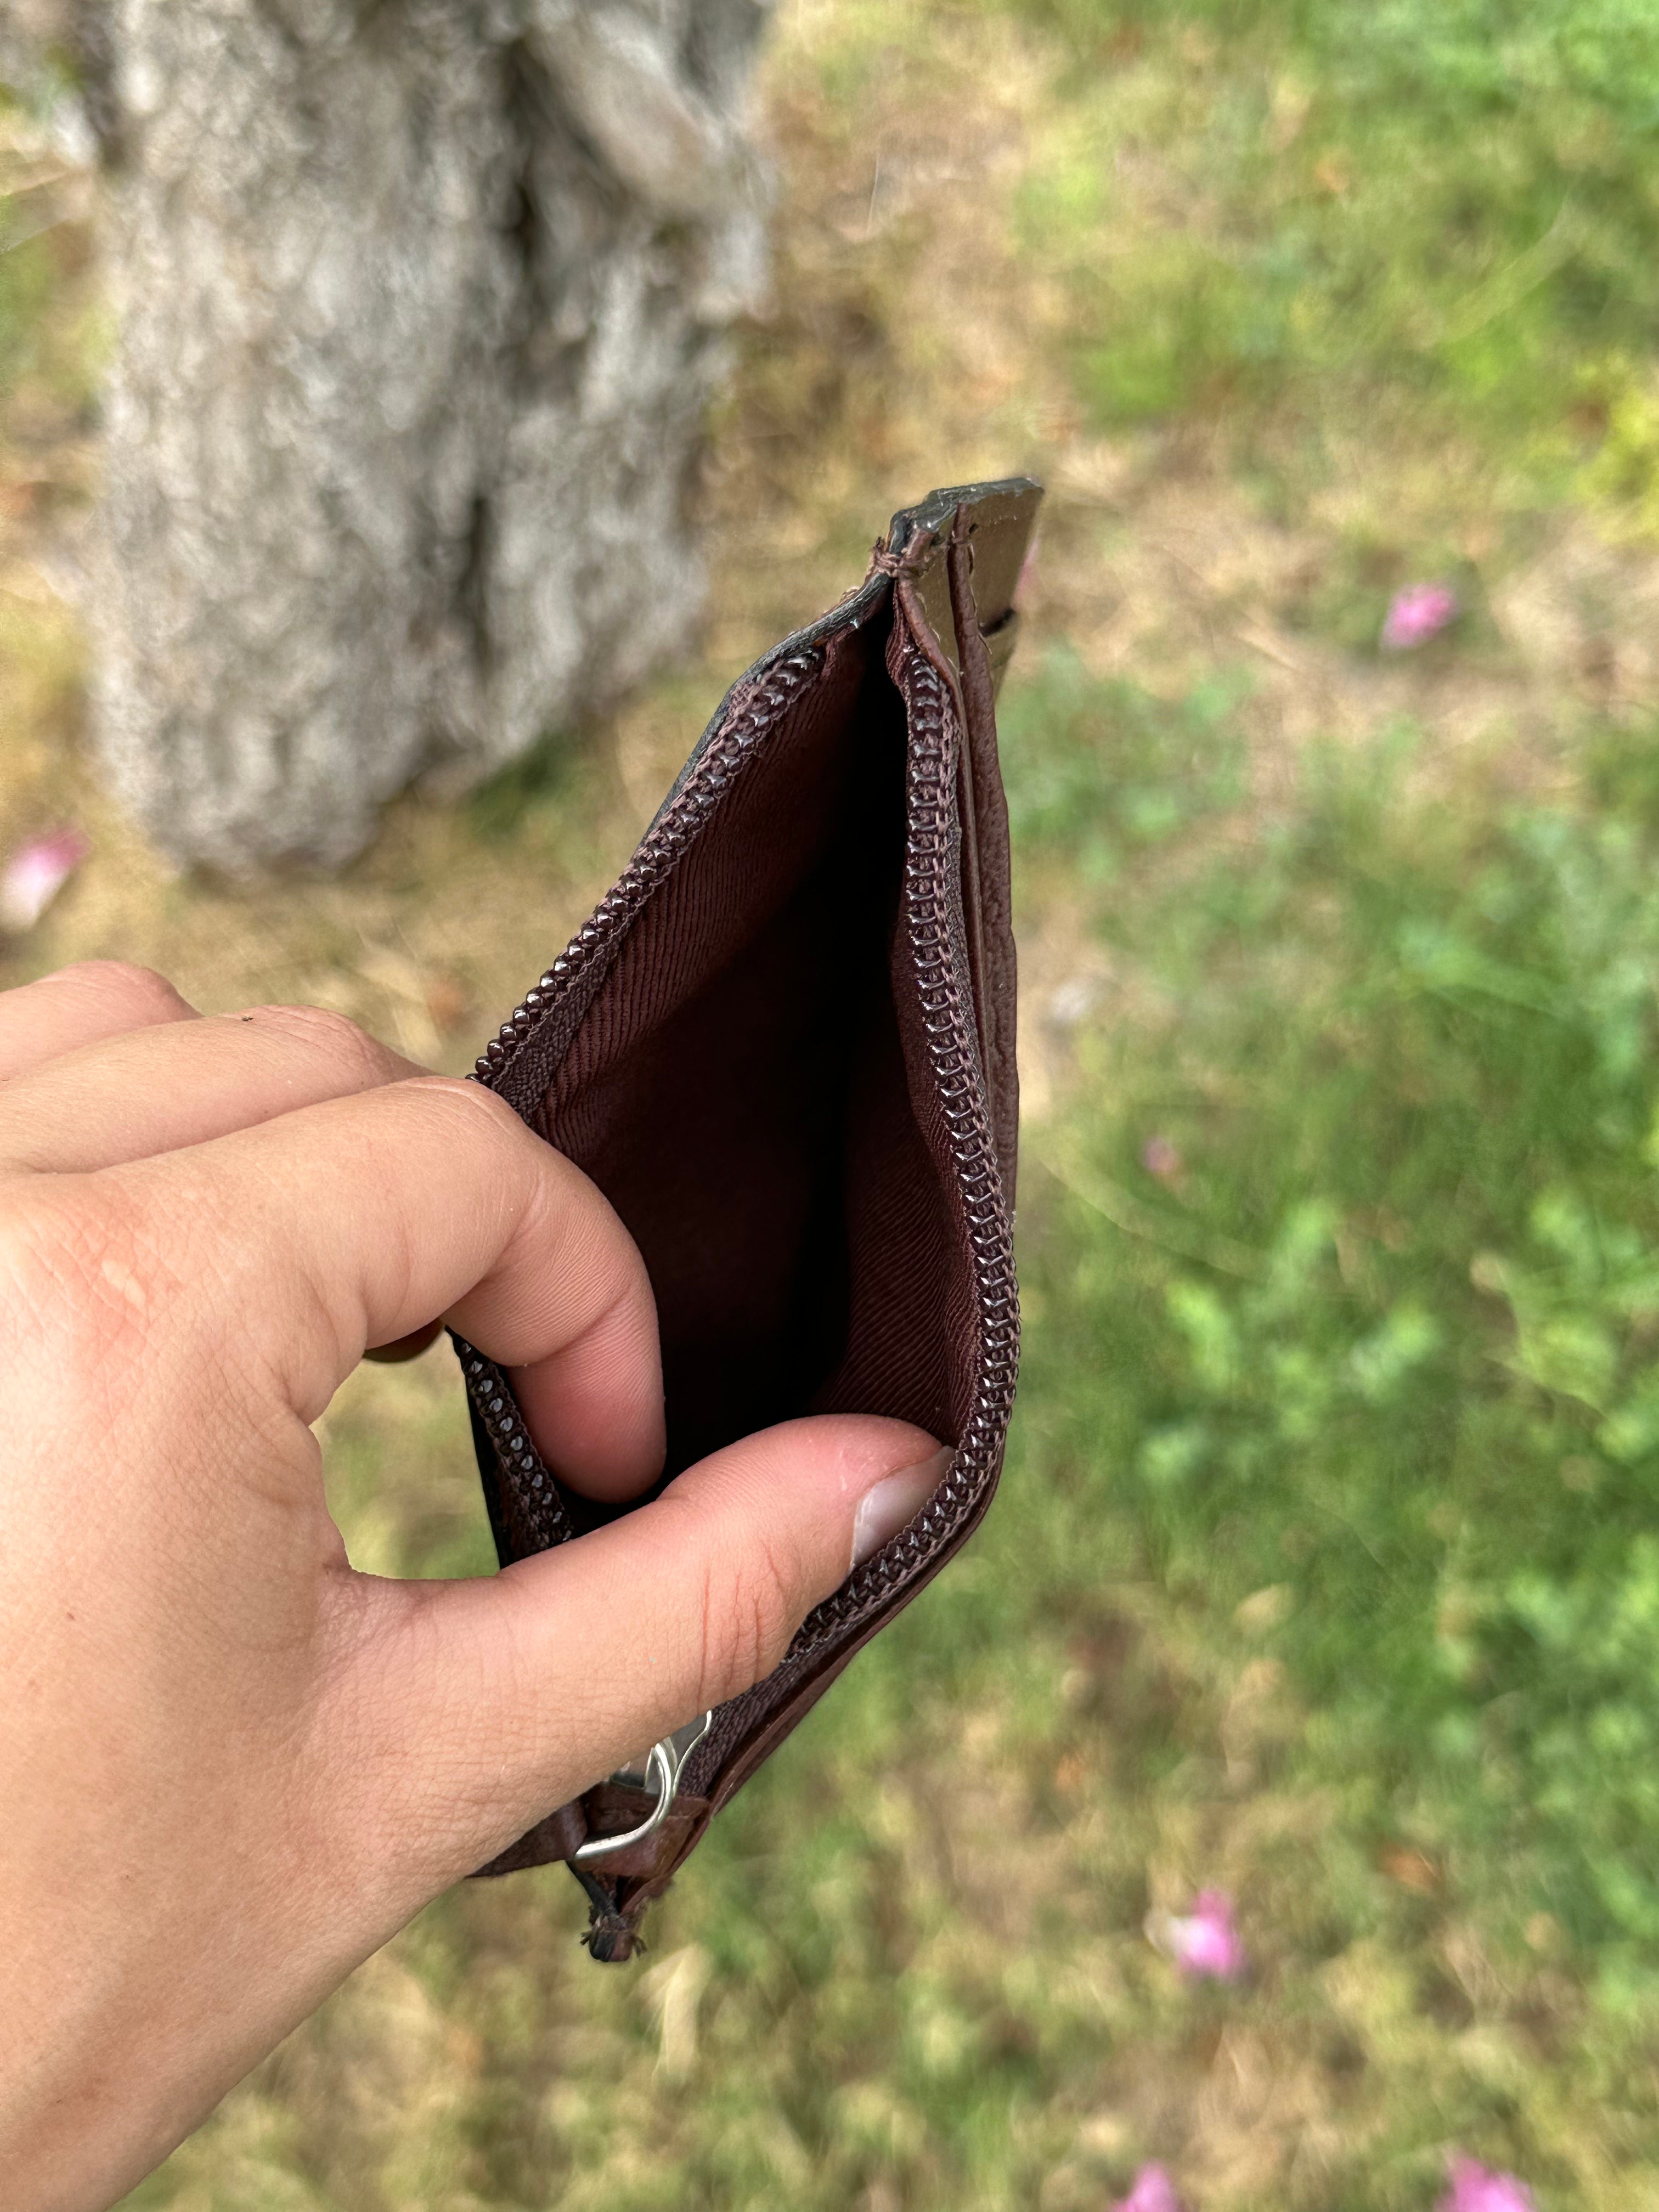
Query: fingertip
[
  {"x": 575, "y": 1329},
  {"x": 846, "y": 1454},
  {"x": 595, "y": 1406}
]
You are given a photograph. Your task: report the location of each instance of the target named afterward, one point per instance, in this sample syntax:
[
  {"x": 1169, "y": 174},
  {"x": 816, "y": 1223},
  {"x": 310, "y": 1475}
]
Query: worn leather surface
[{"x": 784, "y": 1048}]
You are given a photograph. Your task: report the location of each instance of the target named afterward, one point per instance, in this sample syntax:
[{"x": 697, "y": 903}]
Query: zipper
[
  {"x": 574, "y": 977},
  {"x": 895, "y": 1573},
  {"x": 535, "y": 1037},
  {"x": 953, "y": 1052}
]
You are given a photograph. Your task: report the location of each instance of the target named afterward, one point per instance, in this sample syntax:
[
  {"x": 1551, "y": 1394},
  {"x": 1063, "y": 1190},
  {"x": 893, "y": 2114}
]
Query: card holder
[{"x": 783, "y": 1048}]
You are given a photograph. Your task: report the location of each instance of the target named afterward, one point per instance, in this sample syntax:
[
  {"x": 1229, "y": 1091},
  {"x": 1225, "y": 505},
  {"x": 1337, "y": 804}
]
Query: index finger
[{"x": 355, "y": 1221}]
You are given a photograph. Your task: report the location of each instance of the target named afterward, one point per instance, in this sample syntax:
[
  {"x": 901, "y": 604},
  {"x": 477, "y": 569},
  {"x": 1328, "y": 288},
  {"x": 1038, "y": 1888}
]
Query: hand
[{"x": 231, "y": 1765}]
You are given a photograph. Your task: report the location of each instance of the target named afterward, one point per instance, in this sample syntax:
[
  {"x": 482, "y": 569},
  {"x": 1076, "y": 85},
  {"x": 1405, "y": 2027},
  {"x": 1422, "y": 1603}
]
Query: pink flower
[
  {"x": 1203, "y": 1943},
  {"x": 36, "y": 873},
  {"x": 1153, "y": 2190},
  {"x": 1417, "y": 614},
  {"x": 1471, "y": 2187},
  {"x": 1161, "y": 1156}
]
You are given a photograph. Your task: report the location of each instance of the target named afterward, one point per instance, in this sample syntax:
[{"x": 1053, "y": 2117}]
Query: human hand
[{"x": 232, "y": 1767}]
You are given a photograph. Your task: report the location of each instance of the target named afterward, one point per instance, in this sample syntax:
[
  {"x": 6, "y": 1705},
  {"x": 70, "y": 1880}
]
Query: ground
[{"x": 1323, "y": 1573}]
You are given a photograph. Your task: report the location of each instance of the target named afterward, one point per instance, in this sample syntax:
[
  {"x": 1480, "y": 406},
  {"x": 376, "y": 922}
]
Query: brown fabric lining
[{"x": 738, "y": 1090}]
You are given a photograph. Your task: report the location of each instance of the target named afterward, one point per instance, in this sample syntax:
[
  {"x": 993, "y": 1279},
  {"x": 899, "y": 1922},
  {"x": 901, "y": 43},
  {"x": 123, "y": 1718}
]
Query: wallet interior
[{"x": 745, "y": 1087}]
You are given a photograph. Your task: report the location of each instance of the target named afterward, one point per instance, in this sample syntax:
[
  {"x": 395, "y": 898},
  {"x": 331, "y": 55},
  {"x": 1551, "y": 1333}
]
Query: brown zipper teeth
[
  {"x": 954, "y": 1057},
  {"x": 706, "y": 779},
  {"x": 954, "y": 1054},
  {"x": 530, "y": 1507}
]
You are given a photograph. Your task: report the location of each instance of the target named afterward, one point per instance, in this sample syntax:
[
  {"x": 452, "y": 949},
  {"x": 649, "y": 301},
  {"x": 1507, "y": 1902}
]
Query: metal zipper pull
[{"x": 661, "y": 1767}]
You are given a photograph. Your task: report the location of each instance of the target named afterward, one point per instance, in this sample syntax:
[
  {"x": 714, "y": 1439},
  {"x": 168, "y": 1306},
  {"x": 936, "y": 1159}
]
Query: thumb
[{"x": 491, "y": 1701}]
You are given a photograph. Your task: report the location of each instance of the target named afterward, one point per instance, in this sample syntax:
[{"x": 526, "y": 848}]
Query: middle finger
[{"x": 184, "y": 1083}]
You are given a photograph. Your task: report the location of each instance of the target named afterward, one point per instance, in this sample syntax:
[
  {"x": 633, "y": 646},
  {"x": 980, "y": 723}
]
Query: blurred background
[{"x": 1271, "y": 1792}]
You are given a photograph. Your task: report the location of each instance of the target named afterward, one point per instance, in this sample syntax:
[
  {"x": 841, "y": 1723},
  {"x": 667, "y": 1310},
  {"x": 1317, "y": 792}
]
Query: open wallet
[{"x": 783, "y": 1048}]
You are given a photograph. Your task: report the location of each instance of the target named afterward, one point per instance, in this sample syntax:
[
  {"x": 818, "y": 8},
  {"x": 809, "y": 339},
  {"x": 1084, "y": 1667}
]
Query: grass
[
  {"x": 1328, "y": 1567},
  {"x": 1443, "y": 207},
  {"x": 1384, "y": 1309}
]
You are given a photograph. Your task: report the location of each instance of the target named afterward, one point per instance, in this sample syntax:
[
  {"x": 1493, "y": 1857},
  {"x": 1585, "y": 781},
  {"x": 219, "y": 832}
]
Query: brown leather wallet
[{"x": 783, "y": 1048}]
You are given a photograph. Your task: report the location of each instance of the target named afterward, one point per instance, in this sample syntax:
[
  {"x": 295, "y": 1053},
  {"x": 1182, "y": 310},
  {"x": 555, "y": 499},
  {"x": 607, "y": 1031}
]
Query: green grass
[
  {"x": 1446, "y": 208},
  {"x": 26, "y": 289},
  {"x": 1387, "y": 1338}
]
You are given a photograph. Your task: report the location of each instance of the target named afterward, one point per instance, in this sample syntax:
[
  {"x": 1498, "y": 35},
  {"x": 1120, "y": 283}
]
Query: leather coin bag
[{"x": 783, "y": 1048}]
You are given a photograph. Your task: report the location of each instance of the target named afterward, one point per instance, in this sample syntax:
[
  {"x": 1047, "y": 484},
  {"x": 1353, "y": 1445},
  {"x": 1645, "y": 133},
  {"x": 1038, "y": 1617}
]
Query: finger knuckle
[
  {"x": 470, "y": 1097},
  {"x": 133, "y": 994},
  {"x": 329, "y": 1036},
  {"x": 485, "y": 1116},
  {"x": 749, "y": 1613}
]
